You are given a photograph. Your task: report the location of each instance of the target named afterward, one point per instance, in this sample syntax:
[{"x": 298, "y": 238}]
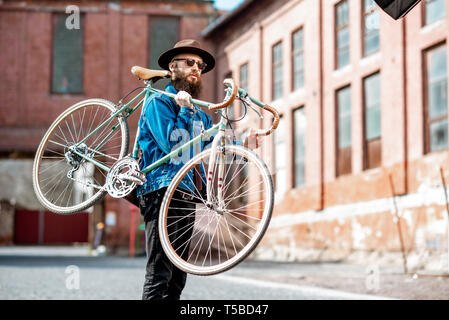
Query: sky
[{"x": 227, "y": 4}]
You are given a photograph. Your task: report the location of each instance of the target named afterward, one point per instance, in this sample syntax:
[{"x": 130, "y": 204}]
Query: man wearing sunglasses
[{"x": 164, "y": 124}]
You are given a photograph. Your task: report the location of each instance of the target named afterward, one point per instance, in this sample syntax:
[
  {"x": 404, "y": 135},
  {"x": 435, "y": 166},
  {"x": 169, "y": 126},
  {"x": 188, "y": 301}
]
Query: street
[{"x": 69, "y": 273}]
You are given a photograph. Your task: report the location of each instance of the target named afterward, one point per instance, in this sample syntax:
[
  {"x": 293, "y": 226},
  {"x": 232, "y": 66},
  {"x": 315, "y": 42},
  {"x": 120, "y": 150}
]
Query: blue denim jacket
[{"x": 164, "y": 126}]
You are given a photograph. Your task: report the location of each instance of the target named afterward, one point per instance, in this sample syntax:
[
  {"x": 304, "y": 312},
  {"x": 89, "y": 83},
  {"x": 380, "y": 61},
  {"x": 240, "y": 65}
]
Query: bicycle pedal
[{"x": 138, "y": 177}]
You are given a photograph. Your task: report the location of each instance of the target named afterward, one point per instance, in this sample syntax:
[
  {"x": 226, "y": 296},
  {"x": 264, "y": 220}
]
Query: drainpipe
[
  {"x": 132, "y": 231},
  {"x": 261, "y": 68},
  {"x": 321, "y": 102},
  {"x": 447, "y": 211},
  {"x": 215, "y": 75},
  {"x": 405, "y": 107}
]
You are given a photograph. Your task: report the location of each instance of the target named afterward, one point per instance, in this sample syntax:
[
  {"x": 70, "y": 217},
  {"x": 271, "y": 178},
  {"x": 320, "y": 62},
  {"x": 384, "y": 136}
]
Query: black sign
[{"x": 397, "y": 8}]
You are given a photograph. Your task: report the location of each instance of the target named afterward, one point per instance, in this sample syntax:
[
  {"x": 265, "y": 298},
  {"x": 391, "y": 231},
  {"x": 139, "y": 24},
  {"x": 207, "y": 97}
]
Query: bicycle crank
[{"x": 123, "y": 178}]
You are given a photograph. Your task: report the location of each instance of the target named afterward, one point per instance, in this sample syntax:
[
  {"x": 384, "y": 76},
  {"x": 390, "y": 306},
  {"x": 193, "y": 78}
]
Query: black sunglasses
[{"x": 191, "y": 63}]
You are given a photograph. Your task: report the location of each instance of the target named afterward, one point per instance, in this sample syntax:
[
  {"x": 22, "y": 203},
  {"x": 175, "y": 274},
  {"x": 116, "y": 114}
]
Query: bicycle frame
[{"x": 125, "y": 111}]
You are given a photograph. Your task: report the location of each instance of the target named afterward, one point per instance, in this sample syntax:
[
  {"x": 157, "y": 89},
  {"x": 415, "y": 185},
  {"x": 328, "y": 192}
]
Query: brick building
[
  {"x": 363, "y": 98},
  {"x": 51, "y": 60},
  {"x": 363, "y": 138}
]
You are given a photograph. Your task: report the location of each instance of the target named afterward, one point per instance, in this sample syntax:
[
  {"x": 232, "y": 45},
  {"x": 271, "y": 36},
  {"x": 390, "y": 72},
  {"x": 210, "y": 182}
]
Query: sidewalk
[
  {"x": 42, "y": 250},
  {"x": 352, "y": 278}
]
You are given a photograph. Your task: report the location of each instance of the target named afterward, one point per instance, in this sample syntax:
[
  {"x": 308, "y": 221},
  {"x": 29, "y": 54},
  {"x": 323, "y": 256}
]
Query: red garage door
[{"x": 40, "y": 227}]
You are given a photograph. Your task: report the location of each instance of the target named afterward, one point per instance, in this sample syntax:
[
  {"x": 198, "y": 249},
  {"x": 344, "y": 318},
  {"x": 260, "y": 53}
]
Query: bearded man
[{"x": 163, "y": 124}]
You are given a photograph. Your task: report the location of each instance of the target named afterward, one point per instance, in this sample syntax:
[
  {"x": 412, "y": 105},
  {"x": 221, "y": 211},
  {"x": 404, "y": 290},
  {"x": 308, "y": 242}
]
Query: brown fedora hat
[{"x": 187, "y": 46}]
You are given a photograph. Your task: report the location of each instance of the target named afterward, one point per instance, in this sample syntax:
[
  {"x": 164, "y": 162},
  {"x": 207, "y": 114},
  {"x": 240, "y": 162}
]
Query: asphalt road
[{"x": 69, "y": 273}]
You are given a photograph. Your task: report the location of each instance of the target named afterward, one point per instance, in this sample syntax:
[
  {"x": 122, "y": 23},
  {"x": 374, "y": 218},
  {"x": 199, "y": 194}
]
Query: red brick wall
[
  {"x": 115, "y": 39},
  {"x": 330, "y": 210}
]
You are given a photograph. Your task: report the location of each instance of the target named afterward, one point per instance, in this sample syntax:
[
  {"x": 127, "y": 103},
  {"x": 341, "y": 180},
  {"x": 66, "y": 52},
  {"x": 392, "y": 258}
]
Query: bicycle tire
[
  {"x": 253, "y": 220},
  {"x": 54, "y": 189}
]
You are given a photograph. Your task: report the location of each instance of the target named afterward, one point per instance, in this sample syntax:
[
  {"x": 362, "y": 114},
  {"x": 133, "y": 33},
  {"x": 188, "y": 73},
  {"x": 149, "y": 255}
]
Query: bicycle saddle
[{"x": 148, "y": 74}]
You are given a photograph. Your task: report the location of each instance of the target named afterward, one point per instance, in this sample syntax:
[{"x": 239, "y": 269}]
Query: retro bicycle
[{"x": 84, "y": 155}]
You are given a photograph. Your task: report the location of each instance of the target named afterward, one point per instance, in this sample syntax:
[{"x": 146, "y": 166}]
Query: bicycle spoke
[
  {"x": 226, "y": 176},
  {"x": 230, "y": 235},
  {"x": 184, "y": 200},
  {"x": 63, "y": 192},
  {"x": 190, "y": 195},
  {"x": 202, "y": 240},
  {"x": 241, "y": 186},
  {"x": 244, "y": 222},
  {"x": 224, "y": 245},
  {"x": 182, "y": 217},
  {"x": 240, "y": 231},
  {"x": 249, "y": 204},
  {"x": 70, "y": 131},
  {"x": 53, "y": 179},
  {"x": 196, "y": 189},
  {"x": 53, "y": 165},
  {"x": 177, "y": 230},
  {"x": 210, "y": 242},
  {"x": 55, "y": 185},
  {"x": 57, "y": 143},
  {"x": 197, "y": 231},
  {"x": 246, "y": 215},
  {"x": 245, "y": 193},
  {"x": 65, "y": 139},
  {"x": 236, "y": 173},
  {"x": 91, "y": 124},
  {"x": 81, "y": 120}
]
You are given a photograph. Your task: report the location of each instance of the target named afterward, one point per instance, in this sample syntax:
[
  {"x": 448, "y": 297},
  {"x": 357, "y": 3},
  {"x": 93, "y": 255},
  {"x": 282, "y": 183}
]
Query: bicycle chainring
[{"x": 123, "y": 177}]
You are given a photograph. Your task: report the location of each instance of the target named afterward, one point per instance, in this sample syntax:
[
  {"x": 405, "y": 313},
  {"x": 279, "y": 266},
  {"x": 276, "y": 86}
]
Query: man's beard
[{"x": 181, "y": 83}]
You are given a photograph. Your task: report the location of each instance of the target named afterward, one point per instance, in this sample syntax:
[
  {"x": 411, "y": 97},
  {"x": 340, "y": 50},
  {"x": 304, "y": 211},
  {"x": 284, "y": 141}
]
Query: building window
[
  {"x": 434, "y": 10},
  {"x": 163, "y": 34},
  {"x": 299, "y": 119},
  {"x": 342, "y": 33},
  {"x": 67, "y": 66},
  {"x": 344, "y": 150},
  {"x": 243, "y": 83},
  {"x": 298, "y": 59},
  {"x": 277, "y": 71},
  {"x": 280, "y": 160},
  {"x": 436, "y": 99},
  {"x": 370, "y": 27},
  {"x": 372, "y": 110}
]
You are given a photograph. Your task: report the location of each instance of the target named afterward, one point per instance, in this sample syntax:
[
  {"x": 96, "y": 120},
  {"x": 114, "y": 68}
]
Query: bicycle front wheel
[
  {"x": 208, "y": 237},
  {"x": 64, "y": 181}
]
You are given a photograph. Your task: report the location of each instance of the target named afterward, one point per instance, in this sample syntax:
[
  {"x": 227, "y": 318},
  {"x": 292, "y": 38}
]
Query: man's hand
[
  {"x": 252, "y": 140},
  {"x": 183, "y": 99}
]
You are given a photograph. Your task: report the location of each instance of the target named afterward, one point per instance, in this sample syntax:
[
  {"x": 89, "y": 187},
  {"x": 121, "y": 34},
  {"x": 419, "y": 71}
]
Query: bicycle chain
[{"x": 101, "y": 153}]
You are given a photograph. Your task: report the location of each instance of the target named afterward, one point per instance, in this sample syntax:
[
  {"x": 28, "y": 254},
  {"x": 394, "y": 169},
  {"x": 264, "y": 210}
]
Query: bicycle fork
[{"x": 218, "y": 146}]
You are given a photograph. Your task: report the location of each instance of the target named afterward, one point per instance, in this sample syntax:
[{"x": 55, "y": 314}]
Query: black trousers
[{"x": 163, "y": 280}]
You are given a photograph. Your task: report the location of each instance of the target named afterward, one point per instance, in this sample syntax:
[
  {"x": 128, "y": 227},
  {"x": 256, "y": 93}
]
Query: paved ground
[
  {"x": 359, "y": 279},
  {"x": 44, "y": 273}
]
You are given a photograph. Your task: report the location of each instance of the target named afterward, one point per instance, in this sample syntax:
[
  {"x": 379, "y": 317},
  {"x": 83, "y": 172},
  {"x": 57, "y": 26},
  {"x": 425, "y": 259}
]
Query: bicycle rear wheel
[
  {"x": 64, "y": 181},
  {"x": 206, "y": 238}
]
